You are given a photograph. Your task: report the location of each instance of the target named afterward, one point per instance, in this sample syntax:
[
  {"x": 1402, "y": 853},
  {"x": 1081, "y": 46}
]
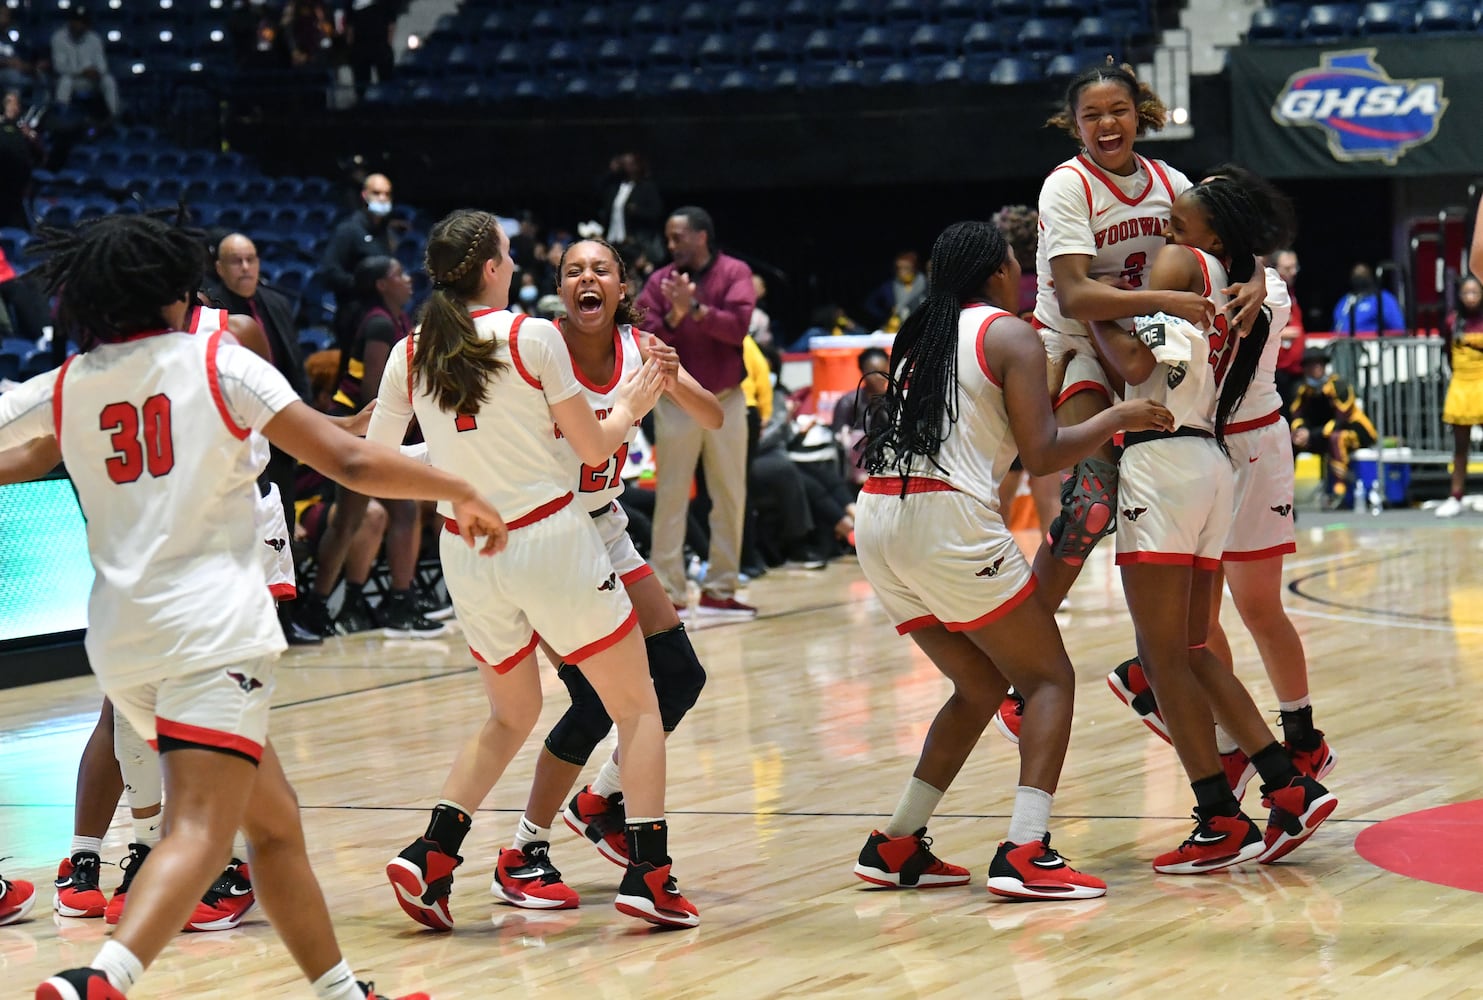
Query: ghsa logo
[{"x": 1366, "y": 114}]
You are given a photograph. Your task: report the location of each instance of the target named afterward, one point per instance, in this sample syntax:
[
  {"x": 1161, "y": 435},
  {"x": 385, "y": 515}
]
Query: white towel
[{"x": 1175, "y": 345}]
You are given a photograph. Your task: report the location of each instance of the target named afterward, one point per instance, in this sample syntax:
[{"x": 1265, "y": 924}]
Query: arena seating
[{"x": 1326, "y": 23}]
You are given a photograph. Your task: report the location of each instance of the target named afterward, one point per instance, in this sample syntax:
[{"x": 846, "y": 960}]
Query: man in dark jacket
[{"x": 364, "y": 233}]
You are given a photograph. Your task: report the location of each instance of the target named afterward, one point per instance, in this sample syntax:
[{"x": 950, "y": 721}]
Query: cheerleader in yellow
[{"x": 1464, "y": 406}]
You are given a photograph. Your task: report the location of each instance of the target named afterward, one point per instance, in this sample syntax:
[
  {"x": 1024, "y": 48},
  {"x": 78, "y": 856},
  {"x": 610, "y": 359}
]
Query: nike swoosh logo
[
  {"x": 535, "y": 873},
  {"x": 1253, "y": 458},
  {"x": 1053, "y": 862},
  {"x": 1205, "y": 838},
  {"x": 1098, "y": 215},
  {"x": 235, "y": 891}
]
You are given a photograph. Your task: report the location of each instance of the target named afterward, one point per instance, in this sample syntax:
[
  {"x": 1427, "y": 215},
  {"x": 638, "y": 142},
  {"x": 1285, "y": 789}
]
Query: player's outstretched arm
[{"x": 29, "y": 461}]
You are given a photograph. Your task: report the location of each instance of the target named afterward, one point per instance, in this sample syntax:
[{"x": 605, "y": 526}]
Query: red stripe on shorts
[
  {"x": 1086, "y": 385},
  {"x": 635, "y": 575},
  {"x": 525, "y": 520},
  {"x": 891, "y": 485},
  {"x": 1019, "y": 598},
  {"x": 1257, "y": 555},
  {"x": 506, "y": 665},
  {"x": 606, "y": 642},
  {"x": 187, "y": 733}
]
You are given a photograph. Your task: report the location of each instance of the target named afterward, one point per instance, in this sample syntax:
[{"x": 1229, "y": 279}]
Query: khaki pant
[{"x": 681, "y": 442}]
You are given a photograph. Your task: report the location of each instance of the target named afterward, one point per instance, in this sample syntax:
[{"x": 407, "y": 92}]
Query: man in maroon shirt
[{"x": 701, "y": 303}]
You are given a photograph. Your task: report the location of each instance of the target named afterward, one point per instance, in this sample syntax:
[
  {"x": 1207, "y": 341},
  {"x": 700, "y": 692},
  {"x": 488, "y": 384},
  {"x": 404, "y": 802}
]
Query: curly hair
[
  {"x": 629, "y": 311},
  {"x": 1020, "y": 225},
  {"x": 1151, "y": 111}
]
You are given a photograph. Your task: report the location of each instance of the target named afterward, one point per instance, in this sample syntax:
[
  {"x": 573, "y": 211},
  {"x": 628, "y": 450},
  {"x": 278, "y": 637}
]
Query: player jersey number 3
[{"x": 141, "y": 437}]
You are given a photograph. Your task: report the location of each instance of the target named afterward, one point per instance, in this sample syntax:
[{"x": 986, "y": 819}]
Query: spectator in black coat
[{"x": 365, "y": 233}]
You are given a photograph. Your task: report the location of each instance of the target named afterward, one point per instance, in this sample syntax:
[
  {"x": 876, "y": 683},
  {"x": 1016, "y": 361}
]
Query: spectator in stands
[
  {"x": 1327, "y": 420},
  {"x": 853, "y": 413},
  {"x": 1020, "y": 225},
  {"x": 890, "y": 304},
  {"x": 702, "y": 304},
  {"x": 309, "y": 31},
  {"x": 369, "y": 25},
  {"x": 257, "y": 44},
  {"x": 629, "y": 206},
  {"x": 364, "y": 233},
  {"x": 1290, "y": 355},
  {"x": 21, "y": 152},
  {"x": 1366, "y": 305},
  {"x": 760, "y": 327},
  {"x": 20, "y": 295},
  {"x": 16, "y": 71},
  {"x": 1463, "y": 409},
  {"x": 80, "y": 64}
]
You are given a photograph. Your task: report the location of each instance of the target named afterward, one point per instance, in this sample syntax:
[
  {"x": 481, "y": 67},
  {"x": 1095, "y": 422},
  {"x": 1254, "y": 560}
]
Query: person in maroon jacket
[{"x": 702, "y": 304}]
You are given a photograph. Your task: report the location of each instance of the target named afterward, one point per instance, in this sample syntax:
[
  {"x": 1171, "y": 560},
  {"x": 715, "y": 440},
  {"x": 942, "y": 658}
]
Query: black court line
[{"x": 1294, "y": 586}]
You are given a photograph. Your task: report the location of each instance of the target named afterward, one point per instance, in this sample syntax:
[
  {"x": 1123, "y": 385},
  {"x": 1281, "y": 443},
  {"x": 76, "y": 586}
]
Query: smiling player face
[{"x": 1107, "y": 122}]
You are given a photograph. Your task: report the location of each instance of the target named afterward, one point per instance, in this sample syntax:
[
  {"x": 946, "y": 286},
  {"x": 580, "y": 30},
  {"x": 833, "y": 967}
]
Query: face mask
[
  {"x": 529, "y": 294},
  {"x": 1314, "y": 383},
  {"x": 378, "y": 207}
]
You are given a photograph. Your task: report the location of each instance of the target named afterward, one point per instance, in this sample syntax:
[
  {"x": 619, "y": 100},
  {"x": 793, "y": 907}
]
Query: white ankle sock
[
  {"x": 527, "y": 832},
  {"x": 1293, "y": 706},
  {"x": 147, "y": 831},
  {"x": 918, "y": 803},
  {"x": 119, "y": 964},
  {"x": 89, "y": 845},
  {"x": 1224, "y": 743},
  {"x": 1031, "y": 817},
  {"x": 338, "y": 984},
  {"x": 608, "y": 780}
]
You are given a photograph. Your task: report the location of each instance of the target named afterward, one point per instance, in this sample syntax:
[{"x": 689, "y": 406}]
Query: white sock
[
  {"x": 527, "y": 832},
  {"x": 1293, "y": 706},
  {"x": 147, "y": 831},
  {"x": 1031, "y": 817},
  {"x": 338, "y": 984},
  {"x": 1224, "y": 742},
  {"x": 918, "y": 803},
  {"x": 608, "y": 780},
  {"x": 119, "y": 964},
  {"x": 86, "y": 845}
]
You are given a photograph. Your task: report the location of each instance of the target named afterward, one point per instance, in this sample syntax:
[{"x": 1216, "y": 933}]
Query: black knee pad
[
  {"x": 678, "y": 675},
  {"x": 583, "y": 726},
  {"x": 1088, "y": 510}
]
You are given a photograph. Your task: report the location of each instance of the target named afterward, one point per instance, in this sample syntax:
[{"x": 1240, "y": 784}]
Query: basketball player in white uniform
[
  {"x": 490, "y": 390},
  {"x": 153, "y": 425},
  {"x": 605, "y": 347},
  {"x": 1175, "y": 508},
  {"x": 933, "y": 544}
]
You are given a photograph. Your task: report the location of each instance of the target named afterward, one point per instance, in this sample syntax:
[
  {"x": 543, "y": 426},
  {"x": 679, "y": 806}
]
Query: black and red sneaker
[
  {"x": 78, "y": 984},
  {"x": 1297, "y": 810},
  {"x": 16, "y": 899},
  {"x": 651, "y": 893},
  {"x": 1130, "y": 684},
  {"x": 371, "y": 994},
  {"x": 601, "y": 819},
  {"x": 78, "y": 894},
  {"x": 1011, "y": 713},
  {"x": 1218, "y": 842},
  {"x": 226, "y": 902},
  {"x": 1036, "y": 871},
  {"x": 130, "y": 867},
  {"x": 906, "y": 863},
  {"x": 422, "y": 876},
  {"x": 527, "y": 878},
  {"x": 1239, "y": 771},
  {"x": 1315, "y": 763}
]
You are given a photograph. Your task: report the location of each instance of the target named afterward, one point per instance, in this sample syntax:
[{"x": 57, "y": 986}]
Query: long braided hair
[
  {"x": 1252, "y": 219},
  {"x": 452, "y": 360},
  {"x": 629, "y": 311},
  {"x": 114, "y": 275},
  {"x": 920, "y": 404}
]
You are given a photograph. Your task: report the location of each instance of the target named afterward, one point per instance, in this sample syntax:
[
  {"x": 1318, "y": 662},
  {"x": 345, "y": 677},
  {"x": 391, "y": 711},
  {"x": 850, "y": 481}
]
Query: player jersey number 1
[
  {"x": 153, "y": 449},
  {"x": 596, "y": 478}
]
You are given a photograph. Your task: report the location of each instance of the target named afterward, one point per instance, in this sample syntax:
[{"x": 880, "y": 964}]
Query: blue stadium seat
[
  {"x": 1269, "y": 25},
  {"x": 823, "y": 46},
  {"x": 668, "y": 54},
  {"x": 987, "y": 38},
  {"x": 313, "y": 339},
  {"x": 754, "y": 15},
  {"x": 1064, "y": 10},
  {"x": 739, "y": 80},
  {"x": 856, "y": 13},
  {"x": 876, "y": 46},
  {"x": 1387, "y": 18},
  {"x": 545, "y": 25},
  {"x": 930, "y": 40},
  {"x": 1012, "y": 9},
  {"x": 771, "y": 49},
  {"x": 1329, "y": 22},
  {"x": 1096, "y": 33},
  {"x": 615, "y": 55},
  {"x": 719, "y": 52},
  {"x": 786, "y": 79},
  {"x": 17, "y": 346},
  {"x": 463, "y": 60},
  {"x": 1131, "y": 9},
  {"x": 499, "y": 26},
  {"x": 800, "y": 14},
  {"x": 846, "y": 77},
  {"x": 291, "y": 279},
  {"x": 902, "y": 13},
  {"x": 10, "y": 366},
  {"x": 700, "y": 18},
  {"x": 1010, "y": 70},
  {"x": 531, "y": 90},
  {"x": 650, "y": 19},
  {"x": 1063, "y": 66},
  {"x": 687, "y": 82},
  {"x": 898, "y": 73},
  {"x": 13, "y": 241},
  {"x": 1039, "y": 37},
  {"x": 579, "y": 86},
  {"x": 59, "y": 214},
  {"x": 1445, "y": 17},
  {"x": 512, "y": 60},
  {"x": 37, "y": 363},
  {"x": 564, "y": 57},
  {"x": 958, "y": 13}
]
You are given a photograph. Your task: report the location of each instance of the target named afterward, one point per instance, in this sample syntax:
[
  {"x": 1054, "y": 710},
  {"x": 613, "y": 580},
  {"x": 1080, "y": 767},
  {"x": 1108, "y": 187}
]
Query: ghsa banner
[{"x": 1352, "y": 111}]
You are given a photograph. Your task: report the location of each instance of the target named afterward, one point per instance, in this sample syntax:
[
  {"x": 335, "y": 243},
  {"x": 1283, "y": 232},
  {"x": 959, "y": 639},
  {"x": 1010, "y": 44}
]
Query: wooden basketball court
[{"x": 810, "y": 724}]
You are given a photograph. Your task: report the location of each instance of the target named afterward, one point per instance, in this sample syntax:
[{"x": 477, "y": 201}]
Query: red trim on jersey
[
  {"x": 1085, "y": 186},
  {"x": 483, "y": 312},
  {"x": 535, "y": 383},
  {"x": 983, "y": 332},
  {"x": 912, "y": 625},
  {"x": 283, "y": 591},
  {"x": 635, "y": 575},
  {"x": 411, "y": 349},
  {"x": 1256, "y": 555},
  {"x": 56, "y": 400},
  {"x": 200, "y": 311},
  {"x": 509, "y": 663},
  {"x": 187, "y": 733},
  {"x": 1167, "y": 559},
  {"x": 214, "y": 379},
  {"x": 1158, "y": 169},
  {"x": 606, "y": 642},
  {"x": 577, "y": 369},
  {"x": 540, "y": 513},
  {"x": 891, "y": 485},
  {"x": 1086, "y": 385},
  {"x": 1020, "y": 597},
  {"x": 1204, "y": 267},
  {"x": 1258, "y": 423},
  {"x": 145, "y": 335},
  {"x": 1112, "y": 186}
]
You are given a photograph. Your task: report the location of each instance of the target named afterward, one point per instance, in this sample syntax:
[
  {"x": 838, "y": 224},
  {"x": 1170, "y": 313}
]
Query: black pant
[{"x": 785, "y": 519}]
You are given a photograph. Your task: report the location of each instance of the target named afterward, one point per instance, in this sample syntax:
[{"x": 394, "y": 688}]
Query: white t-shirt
[
  {"x": 508, "y": 450},
  {"x": 1117, "y": 221},
  {"x": 155, "y": 433}
]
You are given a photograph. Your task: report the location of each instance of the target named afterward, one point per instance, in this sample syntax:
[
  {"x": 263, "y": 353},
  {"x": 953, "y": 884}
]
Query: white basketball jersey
[
  {"x": 209, "y": 321},
  {"x": 979, "y": 448},
  {"x": 598, "y": 486},
  {"x": 155, "y": 434},
  {"x": 1117, "y": 221},
  {"x": 507, "y": 450},
  {"x": 1262, "y": 399},
  {"x": 1191, "y": 393}
]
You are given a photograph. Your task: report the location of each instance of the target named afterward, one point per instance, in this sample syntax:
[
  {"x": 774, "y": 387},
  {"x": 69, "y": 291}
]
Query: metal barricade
[{"x": 1401, "y": 384}]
